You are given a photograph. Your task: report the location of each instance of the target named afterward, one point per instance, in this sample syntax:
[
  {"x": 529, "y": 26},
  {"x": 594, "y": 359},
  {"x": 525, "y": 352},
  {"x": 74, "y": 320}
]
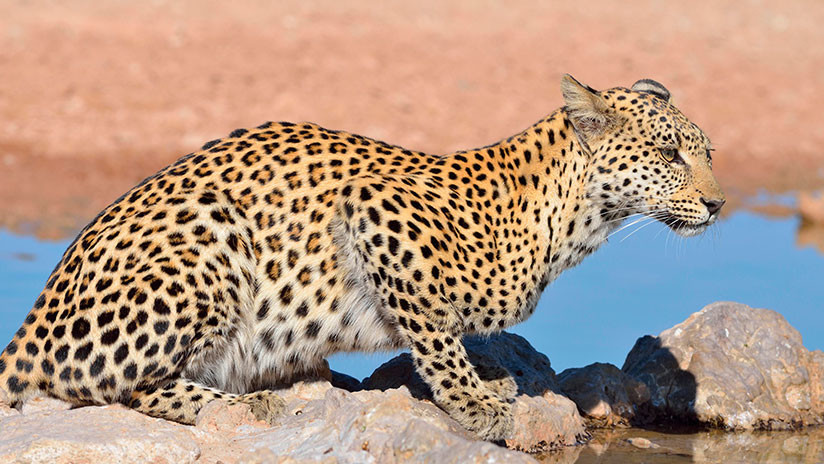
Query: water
[
  {"x": 644, "y": 284},
  {"x": 800, "y": 446}
]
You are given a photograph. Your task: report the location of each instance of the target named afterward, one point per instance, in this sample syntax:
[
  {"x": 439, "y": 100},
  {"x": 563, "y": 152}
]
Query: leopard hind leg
[{"x": 180, "y": 400}]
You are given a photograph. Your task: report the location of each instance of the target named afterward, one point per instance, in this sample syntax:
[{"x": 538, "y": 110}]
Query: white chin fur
[{"x": 690, "y": 231}]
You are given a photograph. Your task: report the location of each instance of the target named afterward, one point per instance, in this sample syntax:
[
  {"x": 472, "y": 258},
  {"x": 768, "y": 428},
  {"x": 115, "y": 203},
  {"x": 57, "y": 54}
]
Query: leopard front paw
[{"x": 490, "y": 417}]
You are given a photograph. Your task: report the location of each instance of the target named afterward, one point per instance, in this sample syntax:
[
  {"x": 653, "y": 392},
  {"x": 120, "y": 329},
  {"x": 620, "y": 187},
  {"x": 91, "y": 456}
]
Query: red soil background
[{"x": 96, "y": 95}]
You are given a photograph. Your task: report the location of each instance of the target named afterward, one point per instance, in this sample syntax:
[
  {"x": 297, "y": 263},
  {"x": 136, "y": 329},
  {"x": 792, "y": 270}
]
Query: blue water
[{"x": 640, "y": 285}]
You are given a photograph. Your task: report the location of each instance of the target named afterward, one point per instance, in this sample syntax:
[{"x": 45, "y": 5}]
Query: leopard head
[{"x": 645, "y": 156}]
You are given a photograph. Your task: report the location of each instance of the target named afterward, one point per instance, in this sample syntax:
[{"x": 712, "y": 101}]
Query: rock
[
  {"x": 328, "y": 424},
  {"x": 733, "y": 367},
  {"x": 810, "y": 234},
  {"x": 345, "y": 382},
  {"x": 6, "y": 410},
  {"x": 642, "y": 443},
  {"x": 94, "y": 434},
  {"x": 546, "y": 422},
  {"x": 544, "y": 419},
  {"x": 44, "y": 404},
  {"x": 224, "y": 426},
  {"x": 811, "y": 228},
  {"x": 398, "y": 371},
  {"x": 817, "y": 377},
  {"x": 530, "y": 369},
  {"x": 605, "y": 395},
  {"x": 218, "y": 416},
  {"x": 811, "y": 207},
  {"x": 299, "y": 393},
  {"x": 369, "y": 426}
]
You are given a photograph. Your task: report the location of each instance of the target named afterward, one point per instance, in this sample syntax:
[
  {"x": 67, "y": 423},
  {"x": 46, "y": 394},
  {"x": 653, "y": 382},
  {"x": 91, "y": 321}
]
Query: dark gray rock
[
  {"x": 397, "y": 372},
  {"x": 530, "y": 369},
  {"x": 346, "y": 382},
  {"x": 605, "y": 395}
]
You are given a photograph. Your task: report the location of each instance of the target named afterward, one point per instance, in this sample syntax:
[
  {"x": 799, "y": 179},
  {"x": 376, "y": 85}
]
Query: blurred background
[{"x": 97, "y": 95}]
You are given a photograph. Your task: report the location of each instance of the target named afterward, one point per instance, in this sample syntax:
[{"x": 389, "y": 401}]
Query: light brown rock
[
  {"x": 94, "y": 435},
  {"x": 6, "y": 410},
  {"x": 810, "y": 234},
  {"x": 640, "y": 442},
  {"x": 224, "y": 426},
  {"x": 368, "y": 427},
  {"x": 817, "y": 377},
  {"x": 811, "y": 207},
  {"x": 328, "y": 424},
  {"x": 546, "y": 422},
  {"x": 605, "y": 395},
  {"x": 811, "y": 229},
  {"x": 733, "y": 367},
  {"x": 44, "y": 404},
  {"x": 218, "y": 416}
]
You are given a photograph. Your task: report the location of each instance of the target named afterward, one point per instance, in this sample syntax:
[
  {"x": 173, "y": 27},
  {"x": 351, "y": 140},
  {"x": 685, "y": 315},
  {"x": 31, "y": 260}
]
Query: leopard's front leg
[
  {"x": 386, "y": 245},
  {"x": 441, "y": 359}
]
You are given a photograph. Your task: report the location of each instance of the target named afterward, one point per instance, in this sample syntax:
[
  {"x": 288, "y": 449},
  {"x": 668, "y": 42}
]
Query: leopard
[{"x": 246, "y": 264}]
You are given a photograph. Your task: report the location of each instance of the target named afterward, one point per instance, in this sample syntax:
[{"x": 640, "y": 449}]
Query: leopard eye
[{"x": 670, "y": 155}]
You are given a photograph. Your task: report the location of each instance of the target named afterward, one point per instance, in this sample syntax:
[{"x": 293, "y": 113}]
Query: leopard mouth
[{"x": 683, "y": 227}]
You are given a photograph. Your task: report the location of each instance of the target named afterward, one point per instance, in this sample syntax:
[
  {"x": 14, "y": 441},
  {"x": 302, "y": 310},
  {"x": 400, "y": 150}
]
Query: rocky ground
[
  {"x": 98, "y": 94},
  {"x": 728, "y": 368}
]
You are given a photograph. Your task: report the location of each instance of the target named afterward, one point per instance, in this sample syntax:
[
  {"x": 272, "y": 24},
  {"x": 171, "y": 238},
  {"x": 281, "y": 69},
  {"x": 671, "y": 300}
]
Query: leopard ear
[
  {"x": 653, "y": 88},
  {"x": 589, "y": 113}
]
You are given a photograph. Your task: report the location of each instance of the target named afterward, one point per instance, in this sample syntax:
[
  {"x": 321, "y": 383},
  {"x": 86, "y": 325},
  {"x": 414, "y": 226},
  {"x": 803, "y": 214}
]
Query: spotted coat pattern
[{"x": 245, "y": 264}]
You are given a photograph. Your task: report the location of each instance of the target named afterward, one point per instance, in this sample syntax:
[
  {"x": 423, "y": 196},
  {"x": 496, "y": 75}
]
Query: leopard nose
[{"x": 713, "y": 206}]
